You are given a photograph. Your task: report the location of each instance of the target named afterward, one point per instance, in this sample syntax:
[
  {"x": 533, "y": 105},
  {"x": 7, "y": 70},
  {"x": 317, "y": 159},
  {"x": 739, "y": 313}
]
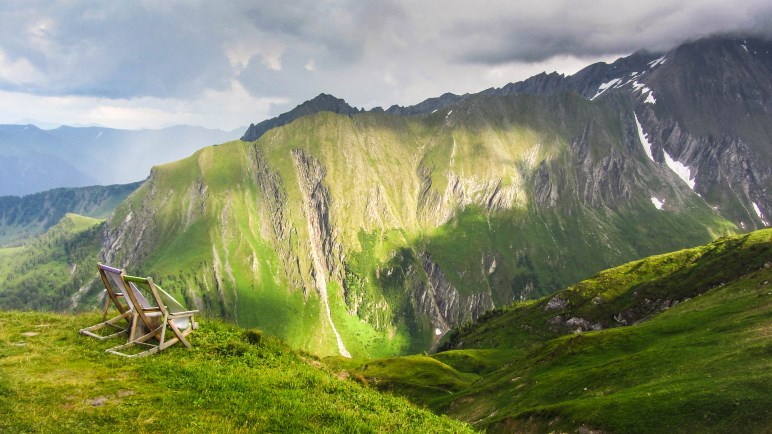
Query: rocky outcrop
[
  {"x": 436, "y": 208},
  {"x": 135, "y": 237},
  {"x": 316, "y": 206},
  {"x": 282, "y": 231},
  {"x": 725, "y": 169},
  {"x": 441, "y": 301}
]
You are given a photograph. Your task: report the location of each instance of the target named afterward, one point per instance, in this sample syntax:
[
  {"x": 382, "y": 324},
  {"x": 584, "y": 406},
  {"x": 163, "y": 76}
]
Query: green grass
[
  {"x": 701, "y": 365},
  {"x": 421, "y": 378},
  {"x": 54, "y": 380}
]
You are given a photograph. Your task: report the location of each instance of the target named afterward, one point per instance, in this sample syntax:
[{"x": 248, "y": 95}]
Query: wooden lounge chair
[
  {"x": 111, "y": 278},
  {"x": 151, "y": 322}
]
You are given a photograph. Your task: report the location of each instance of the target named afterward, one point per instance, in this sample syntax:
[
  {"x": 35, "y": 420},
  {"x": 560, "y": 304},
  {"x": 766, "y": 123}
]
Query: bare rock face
[
  {"x": 282, "y": 231},
  {"x": 442, "y": 302},
  {"x": 556, "y": 303},
  {"x": 136, "y": 235},
  {"x": 316, "y": 206}
]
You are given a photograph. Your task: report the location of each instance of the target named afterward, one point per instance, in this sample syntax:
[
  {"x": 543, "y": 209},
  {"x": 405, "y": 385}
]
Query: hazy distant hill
[
  {"x": 34, "y": 160},
  {"x": 31, "y": 215}
]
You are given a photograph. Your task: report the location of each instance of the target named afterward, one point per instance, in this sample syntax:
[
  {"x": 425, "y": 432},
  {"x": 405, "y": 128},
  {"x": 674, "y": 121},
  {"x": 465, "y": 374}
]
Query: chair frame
[
  {"x": 143, "y": 319},
  {"x": 115, "y": 297}
]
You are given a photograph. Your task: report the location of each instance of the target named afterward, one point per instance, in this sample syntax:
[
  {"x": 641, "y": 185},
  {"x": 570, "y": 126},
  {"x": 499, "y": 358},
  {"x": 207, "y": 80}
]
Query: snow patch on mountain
[
  {"x": 658, "y": 203},
  {"x": 657, "y": 62},
  {"x": 681, "y": 170},
  {"x": 606, "y": 86},
  {"x": 758, "y": 213},
  {"x": 644, "y": 140}
]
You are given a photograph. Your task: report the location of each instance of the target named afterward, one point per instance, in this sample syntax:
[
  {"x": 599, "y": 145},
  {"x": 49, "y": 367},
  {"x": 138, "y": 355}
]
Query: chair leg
[
  {"x": 89, "y": 331},
  {"x": 107, "y": 305},
  {"x": 181, "y": 335}
]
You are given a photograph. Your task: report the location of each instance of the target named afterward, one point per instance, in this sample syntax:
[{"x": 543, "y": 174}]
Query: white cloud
[{"x": 225, "y": 109}]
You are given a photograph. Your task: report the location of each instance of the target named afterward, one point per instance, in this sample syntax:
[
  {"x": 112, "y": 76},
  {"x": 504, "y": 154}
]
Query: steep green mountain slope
[
  {"x": 375, "y": 233},
  {"x": 54, "y": 270},
  {"x": 696, "y": 359},
  {"x": 28, "y": 216},
  {"x": 54, "y": 380},
  {"x": 704, "y": 106}
]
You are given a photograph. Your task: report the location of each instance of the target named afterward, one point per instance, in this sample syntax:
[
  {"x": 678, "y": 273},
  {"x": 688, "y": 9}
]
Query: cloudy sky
[{"x": 220, "y": 64}]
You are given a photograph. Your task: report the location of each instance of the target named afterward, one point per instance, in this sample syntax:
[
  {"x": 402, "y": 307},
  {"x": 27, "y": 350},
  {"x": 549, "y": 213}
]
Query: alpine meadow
[{"x": 586, "y": 252}]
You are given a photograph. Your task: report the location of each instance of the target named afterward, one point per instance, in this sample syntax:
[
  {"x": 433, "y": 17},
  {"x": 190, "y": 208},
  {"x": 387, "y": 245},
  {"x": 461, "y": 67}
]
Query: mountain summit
[{"x": 323, "y": 102}]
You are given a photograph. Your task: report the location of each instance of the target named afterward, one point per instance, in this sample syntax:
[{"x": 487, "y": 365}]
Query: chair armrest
[{"x": 183, "y": 314}]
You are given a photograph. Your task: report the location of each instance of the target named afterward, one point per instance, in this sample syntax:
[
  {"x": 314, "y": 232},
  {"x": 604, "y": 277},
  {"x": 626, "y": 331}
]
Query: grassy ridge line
[
  {"x": 701, "y": 366},
  {"x": 31, "y": 215},
  {"x": 54, "y": 380}
]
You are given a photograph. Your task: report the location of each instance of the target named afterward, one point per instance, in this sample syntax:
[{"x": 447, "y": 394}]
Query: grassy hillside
[
  {"x": 414, "y": 224},
  {"x": 696, "y": 360},
  {"x": 52, "y": 271},
  {"x": 54, "y": 380},
  {"x": 32, "y": 215}
]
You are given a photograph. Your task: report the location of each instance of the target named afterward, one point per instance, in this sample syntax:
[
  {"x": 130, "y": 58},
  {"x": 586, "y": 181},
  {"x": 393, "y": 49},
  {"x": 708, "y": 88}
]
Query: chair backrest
[
  {"x": 113, "y": 286},
  {"x": 163, "y": 299},
  {"x": 133, "y": 297}
]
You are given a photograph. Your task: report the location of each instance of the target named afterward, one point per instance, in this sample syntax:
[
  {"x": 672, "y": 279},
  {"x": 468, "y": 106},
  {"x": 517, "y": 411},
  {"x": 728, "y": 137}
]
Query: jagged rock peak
[
  {"x": 321, "y": 103},
  {"x": 427, "y": 106}
]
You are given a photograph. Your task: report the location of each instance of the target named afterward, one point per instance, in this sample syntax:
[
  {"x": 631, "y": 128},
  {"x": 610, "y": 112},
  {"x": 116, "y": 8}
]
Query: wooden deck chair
[
  {"x": 152, "y": 322},
  {"x": 114, "y": 293}
]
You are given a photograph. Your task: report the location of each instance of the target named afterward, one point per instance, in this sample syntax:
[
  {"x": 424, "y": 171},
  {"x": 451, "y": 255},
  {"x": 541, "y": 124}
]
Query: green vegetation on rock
[{"x": 53, "y": 271}]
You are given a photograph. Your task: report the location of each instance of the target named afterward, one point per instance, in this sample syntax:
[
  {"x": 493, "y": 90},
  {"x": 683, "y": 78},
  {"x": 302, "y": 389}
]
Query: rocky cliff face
[
  {"x": 707, "y": 104},
  {"x": 711, "y": 111}
]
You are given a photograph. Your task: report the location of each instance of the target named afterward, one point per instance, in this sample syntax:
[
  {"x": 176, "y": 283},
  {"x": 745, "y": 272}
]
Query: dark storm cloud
[{"x": 526, "y": 33}]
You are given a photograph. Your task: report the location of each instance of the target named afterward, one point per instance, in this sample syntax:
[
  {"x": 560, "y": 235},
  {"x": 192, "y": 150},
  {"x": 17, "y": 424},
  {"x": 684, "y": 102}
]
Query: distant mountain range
[
  {"x": 33, "y": 214},
  {"x": 34, "y": 160}
]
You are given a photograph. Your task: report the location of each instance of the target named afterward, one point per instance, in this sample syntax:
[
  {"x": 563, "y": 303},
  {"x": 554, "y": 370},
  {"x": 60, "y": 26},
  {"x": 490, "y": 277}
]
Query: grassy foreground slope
[
  {"x": 54, "y": 380},
  {"x": 697, "y": 359}
]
